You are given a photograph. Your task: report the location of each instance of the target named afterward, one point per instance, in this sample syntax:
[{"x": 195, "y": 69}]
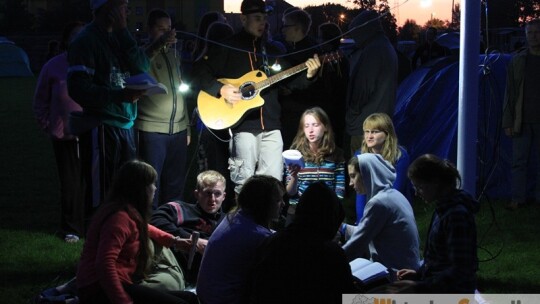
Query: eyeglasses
[
  {"x": 368, "y": 132},
  {"x": 209, "y": 193},
  {"x": 284, "y": 26}
]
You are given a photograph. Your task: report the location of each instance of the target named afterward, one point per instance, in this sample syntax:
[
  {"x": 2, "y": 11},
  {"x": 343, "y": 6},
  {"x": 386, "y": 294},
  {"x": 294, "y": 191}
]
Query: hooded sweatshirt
[
  {"x": 373, "y": 72},
  {"x": 388, "y": 227}
]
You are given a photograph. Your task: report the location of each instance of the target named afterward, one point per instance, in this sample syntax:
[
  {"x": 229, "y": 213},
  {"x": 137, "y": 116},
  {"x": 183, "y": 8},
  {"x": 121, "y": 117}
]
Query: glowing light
[
  {"x": 276, "y": 67},
  {"x": 183, "y": 88},
  {"x": 425, "y": 3}
]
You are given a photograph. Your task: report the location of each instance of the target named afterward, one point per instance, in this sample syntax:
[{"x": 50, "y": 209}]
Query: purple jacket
[{"x": 52, "y": 103}]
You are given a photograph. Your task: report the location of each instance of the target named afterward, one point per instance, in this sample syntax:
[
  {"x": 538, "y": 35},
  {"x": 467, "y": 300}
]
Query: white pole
[{"x": 468, "y": 93}]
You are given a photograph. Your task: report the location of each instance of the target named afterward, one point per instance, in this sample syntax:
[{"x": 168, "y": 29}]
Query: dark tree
[
  {"x": 365, "y": 4},
  {"x": 504, "y": 13},
  {"x": 67, "y": 11},
  {"x": 330, "y": 12},
  {"x": 388, "y": 20},
  {"x": 14, "y": 17},
  {"x": 409, "y": 31}
]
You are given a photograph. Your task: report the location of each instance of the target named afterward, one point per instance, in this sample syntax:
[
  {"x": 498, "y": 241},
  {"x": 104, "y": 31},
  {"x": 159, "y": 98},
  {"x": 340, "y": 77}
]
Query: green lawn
[{"x": 33, "y": 259}]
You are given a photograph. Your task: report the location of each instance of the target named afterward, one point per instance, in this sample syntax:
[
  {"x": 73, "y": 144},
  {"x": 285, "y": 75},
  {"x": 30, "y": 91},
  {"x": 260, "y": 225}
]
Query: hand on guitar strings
[
  {"x": 230, "y": 93},
  {"x": 313, "y": 65}
]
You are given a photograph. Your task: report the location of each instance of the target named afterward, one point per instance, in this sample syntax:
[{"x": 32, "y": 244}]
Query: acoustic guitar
[{"x": 217, "y": 114}]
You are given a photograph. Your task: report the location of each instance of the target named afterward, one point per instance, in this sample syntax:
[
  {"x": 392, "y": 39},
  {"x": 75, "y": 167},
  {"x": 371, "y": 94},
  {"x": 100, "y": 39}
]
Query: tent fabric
[
  {"x": 14, "y": 61},
  {"x": 426, "y": 118}
]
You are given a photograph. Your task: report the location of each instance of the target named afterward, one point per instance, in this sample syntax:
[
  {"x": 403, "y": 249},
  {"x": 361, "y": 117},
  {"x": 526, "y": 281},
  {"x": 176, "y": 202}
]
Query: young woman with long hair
[{"x": 324, "y": 161}]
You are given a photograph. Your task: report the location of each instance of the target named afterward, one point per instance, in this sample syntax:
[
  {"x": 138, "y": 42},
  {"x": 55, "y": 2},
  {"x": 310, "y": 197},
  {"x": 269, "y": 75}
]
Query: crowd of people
[{"x": 122, "y": 160}]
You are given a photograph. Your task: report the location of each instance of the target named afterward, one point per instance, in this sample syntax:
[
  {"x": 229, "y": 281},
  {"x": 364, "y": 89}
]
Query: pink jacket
[
  {"x": 52, "y": 103},
  {"x": 109, "y": 254}
]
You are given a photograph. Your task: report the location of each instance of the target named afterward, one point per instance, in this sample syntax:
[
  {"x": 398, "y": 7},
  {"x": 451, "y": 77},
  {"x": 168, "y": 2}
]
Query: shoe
[
  {"x": 71, "y": 238},
  {"x": 512, "y": 206}
]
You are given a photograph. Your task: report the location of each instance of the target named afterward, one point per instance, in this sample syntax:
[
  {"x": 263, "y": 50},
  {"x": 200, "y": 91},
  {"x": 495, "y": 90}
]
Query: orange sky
[{"x": 419, "y": 10}]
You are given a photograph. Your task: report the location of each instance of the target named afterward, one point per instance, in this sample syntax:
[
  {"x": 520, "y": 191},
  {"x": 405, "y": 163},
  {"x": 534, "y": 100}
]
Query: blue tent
[
  {"x": 14, "y": 61},
  {"x": 426, "y": 118}
]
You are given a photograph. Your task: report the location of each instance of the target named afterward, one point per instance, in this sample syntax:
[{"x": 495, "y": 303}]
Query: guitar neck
[
  {"x": 294, "y": 70},
  {"x": 280, "y": 76}
]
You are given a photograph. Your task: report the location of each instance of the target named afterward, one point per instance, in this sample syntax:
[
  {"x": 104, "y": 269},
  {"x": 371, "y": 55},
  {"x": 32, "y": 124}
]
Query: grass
[{"x": 32, "y": 258}]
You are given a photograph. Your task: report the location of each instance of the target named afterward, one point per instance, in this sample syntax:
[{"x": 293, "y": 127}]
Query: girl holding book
[{"x": 324, "y": 162}]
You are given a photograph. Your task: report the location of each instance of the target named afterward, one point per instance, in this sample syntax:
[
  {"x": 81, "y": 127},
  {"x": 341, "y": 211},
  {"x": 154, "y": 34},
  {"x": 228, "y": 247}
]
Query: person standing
[
  {"x": 521, "y": 114},
  {"x": 429, "y": 50},
  {"x": 100, "y": 58},
  {"x": 52, "y": 106},
  {"x": 300, "y": 46},
  {"x": 256, "y": 143},
  {"x": 373, "y": 75},
  {"x": 162, "y": 119}
]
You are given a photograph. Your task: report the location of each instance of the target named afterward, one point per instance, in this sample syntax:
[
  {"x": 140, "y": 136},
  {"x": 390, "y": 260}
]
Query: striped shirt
[{"x": 329, "y": 172}]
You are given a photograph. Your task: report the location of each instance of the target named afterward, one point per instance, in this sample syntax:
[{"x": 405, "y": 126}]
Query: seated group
[{"x": 238, "y": 258}]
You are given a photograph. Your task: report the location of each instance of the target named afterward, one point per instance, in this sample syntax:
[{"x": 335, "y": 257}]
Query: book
[
  {"x": 368, "y": 271},
  {"x": 145, "y": 82},
  {"x": 293, "y": 157}
]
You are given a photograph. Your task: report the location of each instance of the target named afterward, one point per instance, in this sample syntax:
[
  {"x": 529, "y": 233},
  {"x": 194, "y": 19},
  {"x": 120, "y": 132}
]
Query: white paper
[
  {"x": 293, "y": 157},
  {"x": 367, "y": 270},
  {"x": 145, "y": 82}
]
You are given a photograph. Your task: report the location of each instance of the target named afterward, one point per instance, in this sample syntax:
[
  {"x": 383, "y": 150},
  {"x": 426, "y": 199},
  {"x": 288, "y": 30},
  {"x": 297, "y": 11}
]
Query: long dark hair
[
  {"x": 429, "y": 167},
  {"x": 129, "y": 193}
]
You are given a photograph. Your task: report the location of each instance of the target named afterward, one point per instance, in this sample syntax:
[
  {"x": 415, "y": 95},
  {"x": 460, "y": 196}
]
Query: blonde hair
[
  {"x": 209, "y": 178},
  {"x": 381, "y": 121},
  {"x": 327, "y": 148}
]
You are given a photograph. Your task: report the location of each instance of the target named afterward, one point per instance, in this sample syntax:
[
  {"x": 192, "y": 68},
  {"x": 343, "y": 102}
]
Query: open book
[
  {"x": 293, "y": 157},
  {"x": 145, "y": 82},
  {"x": 368, "y": 271}
]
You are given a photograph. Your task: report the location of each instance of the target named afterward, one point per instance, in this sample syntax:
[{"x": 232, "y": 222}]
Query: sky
[{"x": 419, "y": 10}]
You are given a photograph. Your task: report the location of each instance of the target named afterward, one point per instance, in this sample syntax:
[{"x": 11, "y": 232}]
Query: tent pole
[{"x": 468, "y": 94}]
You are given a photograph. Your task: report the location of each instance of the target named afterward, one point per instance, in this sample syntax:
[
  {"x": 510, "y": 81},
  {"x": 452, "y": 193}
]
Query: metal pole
[{"x": 468, "y": 94}]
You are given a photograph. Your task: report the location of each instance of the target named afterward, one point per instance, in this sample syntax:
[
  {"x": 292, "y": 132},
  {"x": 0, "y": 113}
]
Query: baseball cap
[
  {"x": 255, "y": 6},
  {"x": 95, "y": 4}
]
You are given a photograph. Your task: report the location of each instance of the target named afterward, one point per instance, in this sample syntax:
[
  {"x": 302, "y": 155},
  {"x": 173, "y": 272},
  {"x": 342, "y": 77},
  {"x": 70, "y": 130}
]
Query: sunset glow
[{"x": 418, "y": 10}]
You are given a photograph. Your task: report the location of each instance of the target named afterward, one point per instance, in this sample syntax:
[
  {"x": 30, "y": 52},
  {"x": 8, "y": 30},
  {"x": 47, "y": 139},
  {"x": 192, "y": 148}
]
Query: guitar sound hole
[{"x": 248, "y": 91}]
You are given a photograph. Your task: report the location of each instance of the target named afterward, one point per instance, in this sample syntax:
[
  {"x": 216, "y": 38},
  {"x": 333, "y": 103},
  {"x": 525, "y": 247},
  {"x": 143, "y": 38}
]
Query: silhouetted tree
[
  {"x": 14, "y": 17},
  {"x": 436, "y": 23},
  {"x": 68, "y": 11},
  {"x": 409, "y": 31}
]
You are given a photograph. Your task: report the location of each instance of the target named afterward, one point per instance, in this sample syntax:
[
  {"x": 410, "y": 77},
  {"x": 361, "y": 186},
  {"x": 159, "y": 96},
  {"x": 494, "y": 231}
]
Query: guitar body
[{"x": 216, "y": 114}]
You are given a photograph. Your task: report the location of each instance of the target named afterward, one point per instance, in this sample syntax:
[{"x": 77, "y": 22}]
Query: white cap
[{"x": 95, "y": 4}]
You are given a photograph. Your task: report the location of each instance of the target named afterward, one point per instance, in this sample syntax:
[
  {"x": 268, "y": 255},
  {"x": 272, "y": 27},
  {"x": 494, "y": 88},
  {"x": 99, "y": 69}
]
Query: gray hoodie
[{"x": 388, "y": 227}]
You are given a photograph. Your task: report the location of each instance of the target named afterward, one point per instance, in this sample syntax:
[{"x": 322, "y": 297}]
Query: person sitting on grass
[
  {"x": 387, "y": 233},
  {"x": 182, "y": 219},
  {"x": 450, "y": 254},
  {"x": 116, "y": 252},
  {"x": 228, "y": 260},
  {"x": 309, "y": 266}
]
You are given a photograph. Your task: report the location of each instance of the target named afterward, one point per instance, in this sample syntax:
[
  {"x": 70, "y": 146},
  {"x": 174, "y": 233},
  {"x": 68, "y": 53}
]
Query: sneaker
[{"x": 512, "y": 206}]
